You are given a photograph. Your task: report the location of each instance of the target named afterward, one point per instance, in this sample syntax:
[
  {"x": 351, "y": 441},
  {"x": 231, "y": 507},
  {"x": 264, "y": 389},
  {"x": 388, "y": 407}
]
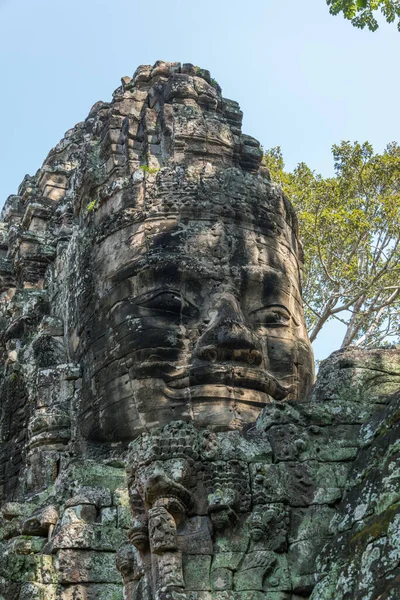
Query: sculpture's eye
[
  {"x": 168, "y": 302},
  {"x": 272, "y": 316}
]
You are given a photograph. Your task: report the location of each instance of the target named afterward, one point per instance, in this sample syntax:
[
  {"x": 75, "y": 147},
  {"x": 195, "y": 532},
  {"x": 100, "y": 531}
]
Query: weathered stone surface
[
  {"x": 157, "y": 433},
  {"x": 358, "y": 376},
  {"x": 75, "y": 566},
  {"x": 363, "y": 557}
]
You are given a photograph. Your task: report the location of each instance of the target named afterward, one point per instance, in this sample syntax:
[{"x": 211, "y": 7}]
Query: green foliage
[
  {"x": 200, "y": 72},
  {"x": 148, "y": 169},
  {"x": 203, "y": 73},
  {"x": 361, "y": 13},
  {"x": 91, "y": 206},
  {"x": 350, "y": 227},
  {"x": 94, "y": 174}
]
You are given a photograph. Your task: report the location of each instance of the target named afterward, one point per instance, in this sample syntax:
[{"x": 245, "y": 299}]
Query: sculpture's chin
[{"x": 154, "y": 403}]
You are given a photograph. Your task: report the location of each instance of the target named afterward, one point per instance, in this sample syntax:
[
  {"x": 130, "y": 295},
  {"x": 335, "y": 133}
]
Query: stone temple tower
[{"x": 159, "y": 437}]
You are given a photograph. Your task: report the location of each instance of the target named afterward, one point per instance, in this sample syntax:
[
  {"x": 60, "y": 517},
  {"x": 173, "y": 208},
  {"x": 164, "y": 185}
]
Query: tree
[
  {"x": 362, "y": 12},
  {"x": 350, "y": 227}
]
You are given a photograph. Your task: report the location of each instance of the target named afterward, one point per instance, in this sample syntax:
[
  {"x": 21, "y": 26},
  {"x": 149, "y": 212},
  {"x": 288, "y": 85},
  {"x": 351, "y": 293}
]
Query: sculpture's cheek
[
  {"x": 291, "y": 361},
  {"x": 281, "y": 354},
  {"x": 305, "y": 369}
]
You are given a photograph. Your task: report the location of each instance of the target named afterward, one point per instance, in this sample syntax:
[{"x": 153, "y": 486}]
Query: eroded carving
[
  {"x": 191, "y": 262},
  {"x": 150, "y": 293}
]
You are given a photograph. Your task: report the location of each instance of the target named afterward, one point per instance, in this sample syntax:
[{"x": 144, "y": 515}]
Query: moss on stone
[{"x": 376, "y": 528}]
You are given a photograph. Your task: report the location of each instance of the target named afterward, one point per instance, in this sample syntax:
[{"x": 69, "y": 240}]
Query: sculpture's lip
[
  {"x": 257, "y": 529},
  {"x": 200, "y": 394},
  {"x": 230, "y": 377}
]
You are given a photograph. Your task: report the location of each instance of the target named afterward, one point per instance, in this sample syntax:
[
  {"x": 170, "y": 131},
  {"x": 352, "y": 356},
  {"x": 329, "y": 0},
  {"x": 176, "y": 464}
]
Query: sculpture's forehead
[
  {"x": 214, "y": 238},
  {"x": 160, "y": 252},
  {"x": 198, "y": 241},
  {"x": 173, "y": 267},
  {"x": 215, "y": 230}
]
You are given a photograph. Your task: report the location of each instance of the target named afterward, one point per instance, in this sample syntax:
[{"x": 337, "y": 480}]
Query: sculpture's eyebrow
[{"x": 178, "y": 267}]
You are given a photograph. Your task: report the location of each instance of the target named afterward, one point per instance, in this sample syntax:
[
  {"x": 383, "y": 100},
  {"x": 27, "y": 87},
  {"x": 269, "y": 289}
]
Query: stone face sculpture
[
  {"x": 191, "y": 266},
  {"x": 158, "y": 439}
]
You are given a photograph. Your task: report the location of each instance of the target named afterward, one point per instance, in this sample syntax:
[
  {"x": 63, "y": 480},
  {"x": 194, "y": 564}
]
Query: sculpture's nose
[{"x": 227, "y": 338}]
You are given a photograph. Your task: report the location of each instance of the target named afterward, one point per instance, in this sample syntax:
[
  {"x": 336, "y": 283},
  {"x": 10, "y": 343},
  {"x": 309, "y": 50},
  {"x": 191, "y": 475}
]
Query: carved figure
[
  {"x": 129, "y": 565},
  {"x": 268, "y": 526},
  {"x": 168, "y": 268},
  {"x": 222, "y": 507},
  {"x": 191, "y": 308}
]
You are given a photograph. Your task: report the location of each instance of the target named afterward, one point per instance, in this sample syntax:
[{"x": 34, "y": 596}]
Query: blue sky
[{"x": 304, "y": 79}]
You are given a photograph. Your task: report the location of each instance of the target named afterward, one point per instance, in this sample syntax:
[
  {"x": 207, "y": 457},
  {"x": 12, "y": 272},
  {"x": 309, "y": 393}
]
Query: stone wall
[{"x": 158, "y": 436}]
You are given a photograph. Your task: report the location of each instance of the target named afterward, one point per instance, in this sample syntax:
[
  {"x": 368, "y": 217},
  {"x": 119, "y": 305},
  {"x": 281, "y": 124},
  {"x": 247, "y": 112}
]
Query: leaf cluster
[
  {"x": 350, "y": 227},
  {"x": 361, "y": 13}
]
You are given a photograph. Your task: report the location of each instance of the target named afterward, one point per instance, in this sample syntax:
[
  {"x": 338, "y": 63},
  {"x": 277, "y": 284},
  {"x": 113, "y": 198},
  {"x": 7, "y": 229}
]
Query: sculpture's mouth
[
  {"x": 203, "y": 379},
  {"x": 257, "y": 530}
]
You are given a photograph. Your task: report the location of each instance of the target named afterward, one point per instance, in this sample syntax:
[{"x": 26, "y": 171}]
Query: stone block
[
  {"x": 86, "y": 513},
  {"x": 86, "y": 566},
  {"x": 227, "y": 560},
  {"x": 38, "y": 568},
  {"x": 302, "y": 559},
  {"x": 11, "y": 510},
  {"x": 262, "y": 571},
  {"x": 124, "y": 517},
  {"x": 310, "y": 523},
  {"x": 26, "y": 545},
  {"x": 121, "y": 497},
  {"x": 100, "y": 537},
  {"x": 97, "y": 479},
  {"x": 108, "y": 516},
  {"x": 196, "y": 572},
  {"x": 101, "y": 591},
  {"x": 37, "y": 591},
  {"x": 221, "y": 579}
]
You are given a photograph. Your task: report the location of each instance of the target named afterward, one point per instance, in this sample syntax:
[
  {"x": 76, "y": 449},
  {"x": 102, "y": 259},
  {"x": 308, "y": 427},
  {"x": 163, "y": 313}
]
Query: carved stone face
[
  {"x": 221, "y": 508},
  {"x": 199, "y": 313}
]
